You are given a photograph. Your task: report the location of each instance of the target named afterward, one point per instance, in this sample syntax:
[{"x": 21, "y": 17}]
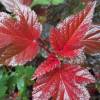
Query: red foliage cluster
[{"x": 75, "y": 35}]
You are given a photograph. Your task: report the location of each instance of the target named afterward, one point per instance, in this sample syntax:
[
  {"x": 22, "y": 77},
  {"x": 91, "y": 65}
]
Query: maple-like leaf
[
  {"x": 66, "y": 38},
  {"x": 18, "y": 37},
  {"x": 92, "y": 40},
  {"x": 11, "y": 4},
  {"x": 65, "y": 82}
]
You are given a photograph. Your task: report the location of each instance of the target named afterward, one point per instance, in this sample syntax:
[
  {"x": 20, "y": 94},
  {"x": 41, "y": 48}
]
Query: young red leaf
[
  {"x": 18, "y": 37},
  {"x": 92, "y": 40},
  {"x": 48, "y": 65},
  {"x": 66, "y": 82},
  {"x": 11, "y": 4},
  {"x": 66, "y": 38}
]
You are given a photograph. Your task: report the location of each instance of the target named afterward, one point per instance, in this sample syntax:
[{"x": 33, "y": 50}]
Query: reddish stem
[{"x": 42, "y": 45}]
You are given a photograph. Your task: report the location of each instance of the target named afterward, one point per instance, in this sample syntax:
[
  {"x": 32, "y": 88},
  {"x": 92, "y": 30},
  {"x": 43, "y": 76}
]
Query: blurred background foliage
[{"x": 15, "y": 82}]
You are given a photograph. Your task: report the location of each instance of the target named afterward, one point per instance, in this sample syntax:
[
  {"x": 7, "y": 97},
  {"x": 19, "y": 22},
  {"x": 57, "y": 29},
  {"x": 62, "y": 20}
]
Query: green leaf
[
  {"x": 2, "y": 90},
  {"x": 20, "y": 71},
  {"x": 24, "y": 72},
  {"x": 21, "y": 86},
  {"x": 41, "y": 2},
  {"x": 3, "y": 83},
  {"x": 23, "y": 76},
  {"x": 46, "y": 2},
  {"x": 12, "y": 81},
  {"x": 56, "y": 2}
]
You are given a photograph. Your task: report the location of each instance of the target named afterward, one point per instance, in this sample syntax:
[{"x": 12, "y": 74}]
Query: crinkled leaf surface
[
  {"x": 66, "y": 38},
  {"x": 48, "y": 65},
  {"x": 66, "y": 82},
  {"x": 18, "y": 36}
]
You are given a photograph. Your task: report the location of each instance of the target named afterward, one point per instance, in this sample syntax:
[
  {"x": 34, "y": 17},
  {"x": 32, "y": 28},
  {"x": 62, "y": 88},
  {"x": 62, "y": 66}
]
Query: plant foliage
[{"x": 57, "y": 77}]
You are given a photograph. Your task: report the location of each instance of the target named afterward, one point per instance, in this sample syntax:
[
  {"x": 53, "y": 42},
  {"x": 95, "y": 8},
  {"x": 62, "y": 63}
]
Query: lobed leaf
[
  {"x": 66, "y": 82},
  {"x": 66, "y": 38},
  {"x": 18, "y": 37}
]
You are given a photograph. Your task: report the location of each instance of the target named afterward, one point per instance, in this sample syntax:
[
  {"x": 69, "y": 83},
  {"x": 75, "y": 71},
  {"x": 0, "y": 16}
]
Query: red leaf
[
  {"x": 92, "y": 40},
  {"x": 11, "y": 4},
  {"x": 29, "y": 17},
  {"x": 66, "y": 38},
  {"x": 18, "y": 37},
  {"x": 50, "y": 64},
  {"x": 66, "y": 82}
]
